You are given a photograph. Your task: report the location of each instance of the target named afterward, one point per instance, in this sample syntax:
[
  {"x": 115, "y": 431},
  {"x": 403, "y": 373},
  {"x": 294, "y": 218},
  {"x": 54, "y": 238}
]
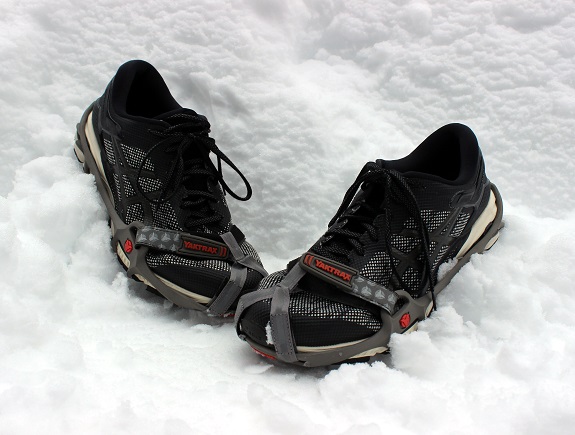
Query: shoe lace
[
  {"x": 351, "y": 223},
  {"x": 179, "y": 138}
]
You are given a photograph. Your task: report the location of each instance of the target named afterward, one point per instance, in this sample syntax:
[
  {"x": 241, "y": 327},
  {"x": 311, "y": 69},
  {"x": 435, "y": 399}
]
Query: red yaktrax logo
[
  {"x": 405, "y": 320},
  {"x": 220, "y": 251},
  {"x": 333, "y": 270},
  {"x": 201, "y": 248},
  {"x": 318, "y": 263},
  {"x": 128, "y": 247}
]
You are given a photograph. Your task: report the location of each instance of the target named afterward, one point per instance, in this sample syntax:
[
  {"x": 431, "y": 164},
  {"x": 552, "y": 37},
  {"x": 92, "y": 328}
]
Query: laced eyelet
[{"x": 396, "y": 188}]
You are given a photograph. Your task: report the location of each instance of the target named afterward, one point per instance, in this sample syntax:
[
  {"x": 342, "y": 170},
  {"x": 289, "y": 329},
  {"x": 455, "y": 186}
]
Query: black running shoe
[
  {"x": 403, "y": 230},
  {"x": 171, "y": 227}
]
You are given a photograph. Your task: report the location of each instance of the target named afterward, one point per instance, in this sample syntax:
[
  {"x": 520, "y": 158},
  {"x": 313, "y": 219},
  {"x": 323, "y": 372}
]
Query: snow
[{"x": 300, "y": 95}]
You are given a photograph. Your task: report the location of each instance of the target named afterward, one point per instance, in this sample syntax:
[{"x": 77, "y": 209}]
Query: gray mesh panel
[
  {"x": 272, "y": 279},
  {"x": 108, "y": 147},
  {"x": 311, "y": 305},
  {"x": 249, "y": 250},
  {"x": 441, "y": 253},
  {"x": 149, "y": 184},
  {"x": 460, "y": 224},
  {"x": 128, "y": 189},
  {"x": 165, "y": 217},
  {"x": 134, "y": 157},
  {"x": 432, "y": 219},
  {"x": 411, "y": 278},
  {"x": 156, "y": 260},
  {"x": 378, "y": 268},
  {"x": 404, "y": 244},
  {"x": 117, "y": 184},
  {"x": 134, "y": 212}
]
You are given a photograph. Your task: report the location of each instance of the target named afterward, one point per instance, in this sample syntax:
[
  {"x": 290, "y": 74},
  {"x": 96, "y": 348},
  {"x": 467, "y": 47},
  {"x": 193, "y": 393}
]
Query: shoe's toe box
[
  {"x": 316, "y": 320},
  {"x": 203, "y": 278}
]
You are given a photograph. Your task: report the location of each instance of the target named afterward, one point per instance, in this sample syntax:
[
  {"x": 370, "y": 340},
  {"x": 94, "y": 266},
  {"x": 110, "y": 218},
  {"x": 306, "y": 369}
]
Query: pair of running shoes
[{"x": 403, "y": 230}]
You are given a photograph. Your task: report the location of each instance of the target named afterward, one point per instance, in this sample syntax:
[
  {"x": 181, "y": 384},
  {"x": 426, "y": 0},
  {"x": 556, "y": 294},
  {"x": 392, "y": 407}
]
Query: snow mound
[{"x": 300, "y": 95}]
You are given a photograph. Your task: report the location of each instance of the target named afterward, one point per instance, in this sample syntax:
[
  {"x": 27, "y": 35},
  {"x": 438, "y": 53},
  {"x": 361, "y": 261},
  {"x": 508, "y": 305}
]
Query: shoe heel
[
  {"x": 79, "y": 153},
  {"x": 492, "y": 241}
]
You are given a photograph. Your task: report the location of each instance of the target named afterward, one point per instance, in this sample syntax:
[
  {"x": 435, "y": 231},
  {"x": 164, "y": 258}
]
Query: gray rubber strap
[
  {"x": 249, "y": 299},
  {"x": 373, "y": 292},
  {"x": 279, "y": 316},
  {"x": 238, "y": 276},
  {"x": 230, "y": 292},
  {"x": 167, "y": 240},
  {"x": 239, "y": 256}
]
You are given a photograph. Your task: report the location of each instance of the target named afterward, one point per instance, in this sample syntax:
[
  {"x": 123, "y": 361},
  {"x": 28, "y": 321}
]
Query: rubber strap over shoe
[
  {"x": 177, "y": 242},
  {"x": 280, "y": 324},
  {"x": 349, "y": 280},
  {"x": 238, "y": 274},
  {"x": 223, "y": 301},
  {"x": 239, "y": 256},
  {"x": 279, "y": 316}
]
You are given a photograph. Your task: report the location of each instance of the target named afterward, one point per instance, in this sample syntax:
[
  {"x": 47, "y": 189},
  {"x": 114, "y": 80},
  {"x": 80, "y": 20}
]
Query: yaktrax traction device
[{"x": 410, "y": 311}]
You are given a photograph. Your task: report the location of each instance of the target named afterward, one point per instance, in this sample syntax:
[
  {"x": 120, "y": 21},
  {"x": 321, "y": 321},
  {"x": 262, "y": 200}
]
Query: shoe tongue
[
  {"x": 186, "y": 121},
  {"x": 190, "y": 122},
  {"x": 183, "y": 115},
  {"x": 339, "y": 243},
  {"x": 373, "y": 196}
]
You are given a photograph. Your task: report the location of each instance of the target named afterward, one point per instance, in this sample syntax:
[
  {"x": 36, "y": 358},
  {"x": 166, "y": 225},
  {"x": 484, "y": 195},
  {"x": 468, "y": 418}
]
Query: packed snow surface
[{"x": 300, "y": 95}]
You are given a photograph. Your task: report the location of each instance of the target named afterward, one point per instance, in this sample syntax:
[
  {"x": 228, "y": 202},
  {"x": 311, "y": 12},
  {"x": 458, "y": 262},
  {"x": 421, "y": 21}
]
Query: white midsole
[
  {"x": 79, "y": 153},
  {"x": 93, "y": 143},
  {"x": 96, "y": 152},
  {"x": 480, "y": 225},
  {"x": 369, "y": 352},
  {"x": 198, "y": 298},
  {"x": 323, "y": 348},
  {"x": 492, "y": 241}
]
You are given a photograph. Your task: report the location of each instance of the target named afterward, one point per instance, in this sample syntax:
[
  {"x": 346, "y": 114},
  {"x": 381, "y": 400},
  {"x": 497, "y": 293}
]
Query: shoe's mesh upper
[
  {"x": 225, "y": 229},
  {"x": 109, "y": 151},
  {"x": 117, "y": 188},
  {"x": 134, "y": 212},
  {"x": 249, "y": 250},
  {"x": 165, "y": 217},
  {"x": 186, "y": 271},
  {"x": 378, "y": 268},
  {"x": 307, "y": 304},
  {"x": 439, "y": 257},
  {"x": 460, "y": 224},
  {"x": 155, "y": 260},
  {"x": 149, "y": 184},
  {"x": 403, "y": 243},
  {"x": 411, "y": 277},
  {"x": 272, "y": 279},
  {"x": 431, "y": 218},
  {"x": 128, "y": 189},
  {"x": 134, "y": 157}
]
